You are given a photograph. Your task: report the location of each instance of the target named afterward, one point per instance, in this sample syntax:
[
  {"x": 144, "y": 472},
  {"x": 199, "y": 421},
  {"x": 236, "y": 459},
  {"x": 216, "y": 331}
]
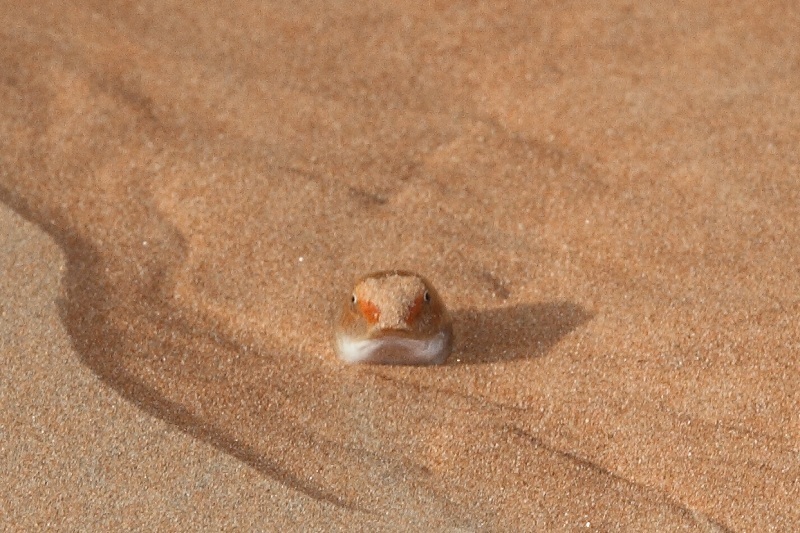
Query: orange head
[{"x": 393, "y": 302}]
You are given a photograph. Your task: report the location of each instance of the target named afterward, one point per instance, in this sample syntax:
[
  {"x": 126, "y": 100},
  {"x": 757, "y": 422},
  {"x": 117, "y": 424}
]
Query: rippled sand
[{"x": 606, "y": 196}]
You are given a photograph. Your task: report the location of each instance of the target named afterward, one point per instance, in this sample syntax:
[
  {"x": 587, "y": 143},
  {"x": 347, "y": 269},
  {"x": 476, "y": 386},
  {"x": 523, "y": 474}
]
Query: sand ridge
[{"x": 606, "y": 197}]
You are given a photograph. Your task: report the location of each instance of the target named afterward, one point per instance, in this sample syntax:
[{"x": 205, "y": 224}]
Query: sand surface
[{"x": 606, "y": 195}]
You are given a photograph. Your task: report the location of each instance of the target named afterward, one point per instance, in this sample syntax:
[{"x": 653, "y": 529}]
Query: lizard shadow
[{"x": 523, "y": 331}]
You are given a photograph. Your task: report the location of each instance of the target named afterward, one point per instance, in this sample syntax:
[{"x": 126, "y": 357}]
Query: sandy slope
[{"x": 606, "y": 196}]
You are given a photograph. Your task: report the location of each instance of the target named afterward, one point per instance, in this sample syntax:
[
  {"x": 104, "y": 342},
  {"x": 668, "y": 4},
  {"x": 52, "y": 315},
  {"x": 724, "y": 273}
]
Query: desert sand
[{"x": 606, "y": 196}]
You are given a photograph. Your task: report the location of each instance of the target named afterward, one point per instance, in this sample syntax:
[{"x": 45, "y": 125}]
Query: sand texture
[{"x": 605, "y": 194}]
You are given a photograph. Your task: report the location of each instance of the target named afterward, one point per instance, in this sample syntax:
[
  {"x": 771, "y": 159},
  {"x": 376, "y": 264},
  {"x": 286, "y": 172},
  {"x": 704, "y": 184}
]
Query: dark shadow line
[
  {"x": 595, "y": 467},
  {"x": 82, "y": 280}
]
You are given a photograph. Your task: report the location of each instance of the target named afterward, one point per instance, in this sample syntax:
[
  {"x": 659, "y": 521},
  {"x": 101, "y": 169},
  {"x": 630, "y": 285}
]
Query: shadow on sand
[{"x": 523, "y": 331}]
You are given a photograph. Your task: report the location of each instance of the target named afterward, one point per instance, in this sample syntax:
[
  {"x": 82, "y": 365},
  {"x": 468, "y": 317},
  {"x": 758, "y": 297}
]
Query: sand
[{"x": 605, "y": 195}]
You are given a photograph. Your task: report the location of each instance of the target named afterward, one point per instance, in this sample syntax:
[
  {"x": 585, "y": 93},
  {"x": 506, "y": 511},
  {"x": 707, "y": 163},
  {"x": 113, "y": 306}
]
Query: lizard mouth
[
  {"x": 403, "y": 332},
  {"x": 395, "y": 348}
]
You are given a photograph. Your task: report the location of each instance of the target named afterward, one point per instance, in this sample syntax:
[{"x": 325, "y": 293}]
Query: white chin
[{"x": 391, "y": 350}]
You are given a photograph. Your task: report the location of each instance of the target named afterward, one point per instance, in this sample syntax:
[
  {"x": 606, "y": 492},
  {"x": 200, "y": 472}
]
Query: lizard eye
[
  {"x": 353, "y": 299},
  {"x": 426, "y": 296}
]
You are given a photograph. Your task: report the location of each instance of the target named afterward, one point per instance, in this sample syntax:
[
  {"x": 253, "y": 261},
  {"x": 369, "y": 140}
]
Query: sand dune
[{"x": 606, "y": 197}]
